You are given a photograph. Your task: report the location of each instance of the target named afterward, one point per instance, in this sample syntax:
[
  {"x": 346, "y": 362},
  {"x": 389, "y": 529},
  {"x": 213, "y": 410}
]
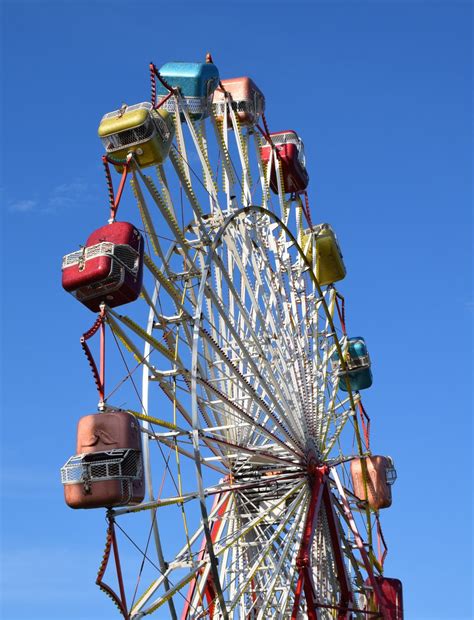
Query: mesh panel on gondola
[{"x": 100, "y": 466}]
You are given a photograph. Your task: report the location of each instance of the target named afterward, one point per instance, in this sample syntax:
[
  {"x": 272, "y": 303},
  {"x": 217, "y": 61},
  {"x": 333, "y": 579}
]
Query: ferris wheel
[{"x": 232, "y": 454}]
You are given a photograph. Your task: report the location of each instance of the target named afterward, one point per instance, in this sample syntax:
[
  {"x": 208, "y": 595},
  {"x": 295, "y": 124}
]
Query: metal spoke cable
[
  {"x": 147, "y": 558},
  {"x": 141, "y": 403}
]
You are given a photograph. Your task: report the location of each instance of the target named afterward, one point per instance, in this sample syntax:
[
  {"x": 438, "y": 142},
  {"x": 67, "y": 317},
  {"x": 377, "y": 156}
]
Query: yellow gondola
[
  {"x": 137, "y": 129},
  {"x": 329, "y": 262}
]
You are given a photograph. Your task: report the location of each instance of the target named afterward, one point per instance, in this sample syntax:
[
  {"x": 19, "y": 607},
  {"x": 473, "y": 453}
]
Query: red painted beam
[
  {"x": 303, "y": 564},
  {"x": 209, "y": 591}
]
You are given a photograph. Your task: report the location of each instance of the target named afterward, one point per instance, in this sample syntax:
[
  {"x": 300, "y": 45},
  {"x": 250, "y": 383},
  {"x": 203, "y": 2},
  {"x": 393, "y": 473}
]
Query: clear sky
[{"x": 381, "y": 94}]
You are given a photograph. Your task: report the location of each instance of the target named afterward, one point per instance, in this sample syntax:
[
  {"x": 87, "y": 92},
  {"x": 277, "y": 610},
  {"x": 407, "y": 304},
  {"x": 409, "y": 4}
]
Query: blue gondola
[
  {"x": 358, "y": 366},
  {"x": 196, "y": 81}
]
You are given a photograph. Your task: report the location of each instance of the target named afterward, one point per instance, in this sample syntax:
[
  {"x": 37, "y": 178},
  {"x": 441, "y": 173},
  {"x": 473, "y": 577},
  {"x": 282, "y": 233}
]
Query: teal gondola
[
  {"x": 358, "y": 366},
  {"x": 196, "y": 82}
]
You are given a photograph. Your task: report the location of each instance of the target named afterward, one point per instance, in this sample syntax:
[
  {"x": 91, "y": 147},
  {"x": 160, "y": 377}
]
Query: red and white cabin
[
  {"x": 290, "y": 149},
  {"x": 109, "y": 268}
]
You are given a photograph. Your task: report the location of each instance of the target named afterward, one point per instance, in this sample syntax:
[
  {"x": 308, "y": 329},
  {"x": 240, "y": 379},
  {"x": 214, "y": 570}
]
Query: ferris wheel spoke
[
  {"x": 196, "y": 560},
  {"x": 286, "y": 352},
  {"x": 221, "y": 137},
  {"x": 214, "y": 447},
  {"x": 146, "y": 218},
  {"x": 254, "y": 366},
  {"x": 243, "y": 382},
  {"x": 165, "y": 207},
  {"x": 348, "y": 542},
  {"x": 240, "y": 414},
  {"x": 339, "y": 423},
  {"x": 288, "y": 554},
  {"x": 247, "y": 556},
  {"x": 222, "y": 507},
  {"x": 187, "y": 453},
  {"x": 165, "y": 283},
  {"x": 257, "y": 451},
  {"x": 251, "y": 322},
  {"x": 276, "y": 384},
  {"x": 139, "y": 331},
  {"x": 165, "y": 187},
  {"x": 174, "y": 589},
  {"x": 182, "y": 173},
  {"x": 165, "y": 387},
  {"x": 296, "y": 378},
  {"x": 267, "y": 173},
  {"x": 278, "y": 288},
  {"x": 263, "y": 551},
  {"x": 219, "y": 549},
  {"x": 263, "y": 181},
  {"x": 205, "y": 403},
  {"x": 336, "y": 417},
  {"x": 153, "y": 315},
  {"x": 199, "y": 143},
  {"x": 275, "y": 163},
  {"x": 242, "y": 149},
  {"x": 181, "y": 144},
  {"x": 165, "y": 502},
  {"x": 172, "y": 347},
  {"x": 141, "y": 359}
]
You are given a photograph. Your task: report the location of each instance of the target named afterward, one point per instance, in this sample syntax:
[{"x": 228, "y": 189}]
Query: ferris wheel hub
[{"x": 313, "y": 455}]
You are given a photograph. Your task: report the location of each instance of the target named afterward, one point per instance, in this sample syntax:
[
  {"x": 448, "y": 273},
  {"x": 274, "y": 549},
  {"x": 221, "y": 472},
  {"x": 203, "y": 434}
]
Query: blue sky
[{"x": 381, "y": 94}]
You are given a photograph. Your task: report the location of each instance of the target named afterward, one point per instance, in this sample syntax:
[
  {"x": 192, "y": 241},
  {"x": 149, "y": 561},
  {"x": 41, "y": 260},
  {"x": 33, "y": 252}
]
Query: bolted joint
[
  {"x": 302, "y": 561},
  {"x": 316, "y": 469}
]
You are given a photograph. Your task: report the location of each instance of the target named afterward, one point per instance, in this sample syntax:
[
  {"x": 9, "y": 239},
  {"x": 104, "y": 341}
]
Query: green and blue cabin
[{"x": 359, "y": 370}]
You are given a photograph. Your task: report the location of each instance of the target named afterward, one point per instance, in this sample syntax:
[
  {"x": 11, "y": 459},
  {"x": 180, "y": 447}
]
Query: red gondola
[
  {"x": 108, "y": 268},
  {"x": 290, "y": 151}
]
